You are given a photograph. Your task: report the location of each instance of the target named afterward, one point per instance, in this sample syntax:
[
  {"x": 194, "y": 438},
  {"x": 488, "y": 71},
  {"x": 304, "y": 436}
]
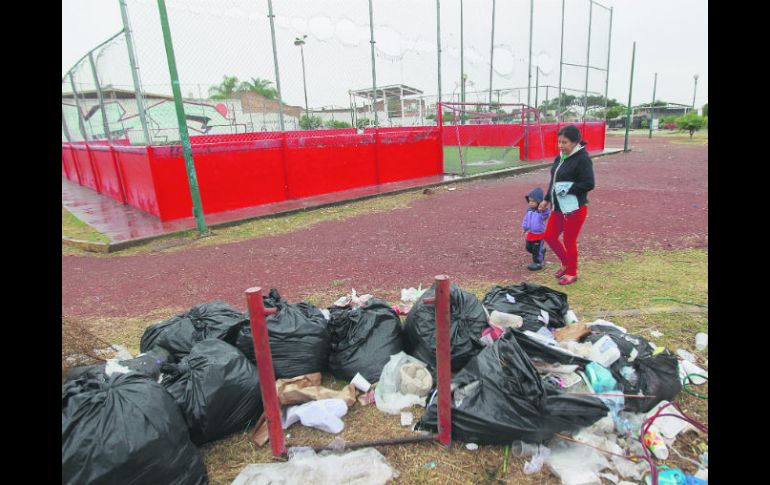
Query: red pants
[{"x": 570, "y": 225}]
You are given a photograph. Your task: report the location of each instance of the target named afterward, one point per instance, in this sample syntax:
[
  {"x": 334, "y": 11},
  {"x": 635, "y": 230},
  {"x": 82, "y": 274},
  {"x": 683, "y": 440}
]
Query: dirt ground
[{"x": 655, "y": 197}]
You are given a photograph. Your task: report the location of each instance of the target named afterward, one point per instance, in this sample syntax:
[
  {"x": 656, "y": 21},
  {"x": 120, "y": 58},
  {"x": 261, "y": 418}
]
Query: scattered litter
[
  {"x": 600, "y": 378},
  {"x": 407, "y": 418},
  {"x": 401, "y": 308},
  {"x": 121, "y": 352},
  {"x": 522, "y": 448},
  {"x": 411, "y": 294},
  {"x": 490, "y": 334},
  {"x": 536, "y": 463},
  {"x": 609, "y": 476},
  {"x": 327, "y": 315},
  {"x": 576, "y": 464},
  {"x": 571, "y": 332},
  {"x": 656, "y": 334},
  {"x": 114, "y": 367},
  {"x": 389, "y": 393},
  {"x": 605, "y": 351},
  {"x": 451, "y": 188},
  {"x": 701, "y": 341},
  {"x": 430, "y": 465},
  {"x": 702, "y": 474},
  {"x": 504, "y": 320},
  {"x": 668, "y": 426},
  {"x": 471, "y": 446},
  {"x": 304, "y": 388},
  {"x": 324, "y": 415},
  {"x": 688, "y": 368},
  {"x": 510, "y": 298},
  {"x": 685, "y": 355},
  {"x": 359, "y": 467},
  {"x": 366, "y": 399},
  {"x": 570, "y": 317},
  {"x": 655, "y": 444},
  {"x": 607, "y": 323},
  {"x": 361, "y": 383}
]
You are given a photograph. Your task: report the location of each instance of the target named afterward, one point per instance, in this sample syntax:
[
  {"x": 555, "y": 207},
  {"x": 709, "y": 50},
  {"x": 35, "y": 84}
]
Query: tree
[
  {"x": 691, "y": 122},
  {"x": 362, "y": 123},
  {"x": 615, "y": 111},
  {"x": 225, "y": 89},
  {"x": 706, "y": 109},
  {"x": 310, "y": 123},
  {"x": 259, "y": 86},
  {"x": 337, "y": 124}
]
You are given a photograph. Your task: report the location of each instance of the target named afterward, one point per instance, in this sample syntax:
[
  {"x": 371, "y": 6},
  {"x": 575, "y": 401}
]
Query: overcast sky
[{"x": 217, "y": 37}]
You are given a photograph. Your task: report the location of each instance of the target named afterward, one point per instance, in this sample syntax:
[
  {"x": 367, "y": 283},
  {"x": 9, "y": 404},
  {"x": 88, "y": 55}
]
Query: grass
[
  {"x": 631, "y": 281},
  {"x": 74, "y": 228},
  {"x": 262, "y": 227},
  {"x": 479, "y": 159}
]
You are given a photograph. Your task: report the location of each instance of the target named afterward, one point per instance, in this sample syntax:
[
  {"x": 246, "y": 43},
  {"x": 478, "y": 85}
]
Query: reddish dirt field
[{"x": 655, "y": 197}]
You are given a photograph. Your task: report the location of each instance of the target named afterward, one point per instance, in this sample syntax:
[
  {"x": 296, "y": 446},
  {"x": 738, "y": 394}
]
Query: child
[{"x": 534, "y": 227}]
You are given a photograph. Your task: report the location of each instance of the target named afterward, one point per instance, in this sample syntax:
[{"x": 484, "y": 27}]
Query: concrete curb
[{"x": 508, "y": 172}]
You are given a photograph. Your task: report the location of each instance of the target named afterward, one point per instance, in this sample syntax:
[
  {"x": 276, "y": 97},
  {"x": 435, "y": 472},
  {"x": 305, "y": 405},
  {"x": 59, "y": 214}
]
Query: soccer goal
[{"x": 484, "y": 137}]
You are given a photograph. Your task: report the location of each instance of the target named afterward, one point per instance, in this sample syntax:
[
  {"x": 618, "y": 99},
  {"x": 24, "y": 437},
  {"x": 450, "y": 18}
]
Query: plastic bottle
[{"x": 654, "y": 442}]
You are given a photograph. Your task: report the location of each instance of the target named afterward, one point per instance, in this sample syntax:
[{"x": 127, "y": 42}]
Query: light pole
[
  {"x": 694, "y": 90},
  {"x": 300, "y": 41}
]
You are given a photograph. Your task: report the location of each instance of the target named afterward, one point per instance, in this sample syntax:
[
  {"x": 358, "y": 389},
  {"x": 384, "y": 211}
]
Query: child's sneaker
[{"x": 534, "y": 266}]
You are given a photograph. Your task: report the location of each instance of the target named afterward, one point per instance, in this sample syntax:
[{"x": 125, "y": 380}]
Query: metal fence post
[
  {"x": 630, "y": 89},
  {"x": 374, "y": 71},
  {"x": 438, "y": 45},
  {"x": 275, "y": 61},
  {"x": 264, "y": 358},
  {"x": 588, "y": 59},
  {"x": 492, "y": 51},
  {"x": 652, "y": 106},
  {"x": 561, "y": 65},
  {"x": 529, "y": 79},
  {"x": 441, "y": 304},
  {"x": 135, "y": 73},
  {"x": 462, "y": 64},
  {"x": 197, "y": 208},
  {"x": 607, "y": 73}
]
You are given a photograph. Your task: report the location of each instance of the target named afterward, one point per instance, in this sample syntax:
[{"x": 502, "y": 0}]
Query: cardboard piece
[
  {"x": 304, "y": 388},
  {"x": 571, "y": 332}
]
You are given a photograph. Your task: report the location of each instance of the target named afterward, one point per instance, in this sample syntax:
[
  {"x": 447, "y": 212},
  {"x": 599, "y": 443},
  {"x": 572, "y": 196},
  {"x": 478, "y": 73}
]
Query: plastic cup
[
  {"x": 701, "y": 341},
  {"x": 521, "y": 448},
  {"x": 361, "y": 383}
]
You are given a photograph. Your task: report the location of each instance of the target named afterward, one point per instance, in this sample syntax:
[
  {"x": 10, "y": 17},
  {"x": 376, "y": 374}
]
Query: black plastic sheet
[
  {"x": 363, "y": 339},
  {"x": 125, "y": 429},
  {"x": 217, "y": 389},
  {"x": 147, "y": 364},
  {"x": 528, "y": 300},
  {"x": 499, "y": 397},
  {"x": 468, "y": 319}
]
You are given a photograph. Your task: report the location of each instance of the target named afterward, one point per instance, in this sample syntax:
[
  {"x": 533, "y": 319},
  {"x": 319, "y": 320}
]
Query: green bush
[
  {"x": 310, "y": 123},
  {"x": 337, "y": 124},
  {"x": 691, "y": 122}
]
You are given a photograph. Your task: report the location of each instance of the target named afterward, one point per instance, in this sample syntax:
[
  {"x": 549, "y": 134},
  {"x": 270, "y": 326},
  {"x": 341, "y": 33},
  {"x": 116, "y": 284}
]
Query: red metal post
[
  {"x": 264, "y": 359},
  {"x": 97, "y": 177},
  {"x": 443, "y": 361}
]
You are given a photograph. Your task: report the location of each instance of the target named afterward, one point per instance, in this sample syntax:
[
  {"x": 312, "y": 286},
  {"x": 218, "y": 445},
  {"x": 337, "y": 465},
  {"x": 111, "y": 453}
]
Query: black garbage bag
[
  {"x": 657, "y": 375},
  {"x": 217, "y": 389},
  {"x": 179, "y": 334},
  {"x": 499, "y": 397},
  {"x": 467, "y": 320},
  {"x": 528, "y": 300},
  {"x": 125, "y": 429},
  {"x": 536, "y": 349},
  {"x": 299, "y": 337},
  {"x": 363, "y": 339},
  {"x": 147, "y": 364}
]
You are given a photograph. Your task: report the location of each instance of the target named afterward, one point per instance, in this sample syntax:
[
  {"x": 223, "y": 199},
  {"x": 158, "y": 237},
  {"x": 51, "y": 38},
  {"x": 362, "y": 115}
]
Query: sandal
[
  {"x": 568, "y": 280},
  {"x": 560, "y": 273}
]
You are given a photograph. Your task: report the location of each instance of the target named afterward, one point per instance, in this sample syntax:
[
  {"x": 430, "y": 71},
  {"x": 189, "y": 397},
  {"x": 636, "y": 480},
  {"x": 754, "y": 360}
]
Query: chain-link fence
[{"x": 313, "y": 67}]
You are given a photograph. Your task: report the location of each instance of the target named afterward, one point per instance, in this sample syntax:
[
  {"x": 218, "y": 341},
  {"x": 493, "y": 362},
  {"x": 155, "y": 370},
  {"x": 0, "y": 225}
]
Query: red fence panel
[
  {"x": 137, "y": 178},
  {"x": 83, "y": 161},
  {"x": 407, "y": 154},
  {"x": 109, "y": 180}
]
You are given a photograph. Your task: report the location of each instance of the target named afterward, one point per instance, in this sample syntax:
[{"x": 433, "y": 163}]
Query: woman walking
[{"x": 572, "y": 177}]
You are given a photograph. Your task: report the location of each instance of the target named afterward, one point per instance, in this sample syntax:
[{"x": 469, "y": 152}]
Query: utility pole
[
  {"x": 694, "y": 90},
  {"x": 462, "y": 65},
  {"x": 630, "y": 88},
  {"x": 192, "y": 178},
  {"x": 300, "y": 41},
  {"x": 275, "y": 62}
]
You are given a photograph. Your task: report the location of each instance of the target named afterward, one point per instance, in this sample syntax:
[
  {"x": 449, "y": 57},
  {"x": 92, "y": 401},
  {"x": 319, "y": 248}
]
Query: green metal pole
[
  {"x": 607, "y": 73},
  {"x": 275, "y": 62},
  {"x": 561, "y": 64},
  {"x": 374, "y": 71},
  {"x": 529, "y": 78},
  {"x": 81, "y": 123},
  {"x": 105, "y": 123},
  {"x": 304, "y": 81},
  {"x": 630, "y": 89},
  {"x": 183, "y": 135},
  {"x": 492, "y": 51},
  {"x": 135, "y": 73},
  {"x": 438, "y": 45},
  {"x": 652, "y": 106}
]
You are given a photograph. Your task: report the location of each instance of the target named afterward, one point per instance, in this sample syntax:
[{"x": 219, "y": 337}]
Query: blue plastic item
[
  {"x": 600, "y": 378},
  {"x": 674, "y": 476}
]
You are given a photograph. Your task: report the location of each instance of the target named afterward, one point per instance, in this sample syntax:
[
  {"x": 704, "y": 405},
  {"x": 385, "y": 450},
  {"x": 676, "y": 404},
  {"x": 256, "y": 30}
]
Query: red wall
[{"x": 244, "y": 170}]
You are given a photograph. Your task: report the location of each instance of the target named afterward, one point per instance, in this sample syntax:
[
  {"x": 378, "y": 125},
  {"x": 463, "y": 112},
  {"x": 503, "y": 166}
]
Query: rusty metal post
[
  {"x": 264, "y": 359},
  {"x": 443, "y": 359}
]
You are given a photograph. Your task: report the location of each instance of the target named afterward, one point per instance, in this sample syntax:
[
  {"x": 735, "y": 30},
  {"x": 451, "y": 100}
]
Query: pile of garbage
[{"x": 526, "y": 374}]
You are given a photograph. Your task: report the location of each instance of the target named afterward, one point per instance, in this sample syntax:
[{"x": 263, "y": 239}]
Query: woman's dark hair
[{"x": 571, "y": 132}]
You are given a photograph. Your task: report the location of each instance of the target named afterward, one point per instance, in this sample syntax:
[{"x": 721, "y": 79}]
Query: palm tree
[
  {"x": 224, "y": 90},
  {"x": 259, "y": 86}
]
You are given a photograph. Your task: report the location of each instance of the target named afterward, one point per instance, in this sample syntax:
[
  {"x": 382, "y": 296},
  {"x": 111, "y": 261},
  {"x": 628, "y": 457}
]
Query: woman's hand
[{"x": 543, "y": 206}]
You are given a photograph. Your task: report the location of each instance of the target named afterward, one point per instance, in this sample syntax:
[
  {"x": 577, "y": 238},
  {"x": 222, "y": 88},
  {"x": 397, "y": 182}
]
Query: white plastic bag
[
  {"x": 323, "y": 414},
  {"x": 387, "y": 395}
]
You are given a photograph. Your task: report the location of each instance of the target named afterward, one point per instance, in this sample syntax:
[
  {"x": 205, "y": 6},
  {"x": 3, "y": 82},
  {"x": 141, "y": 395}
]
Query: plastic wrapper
[{"x": 389, "y": 397}]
